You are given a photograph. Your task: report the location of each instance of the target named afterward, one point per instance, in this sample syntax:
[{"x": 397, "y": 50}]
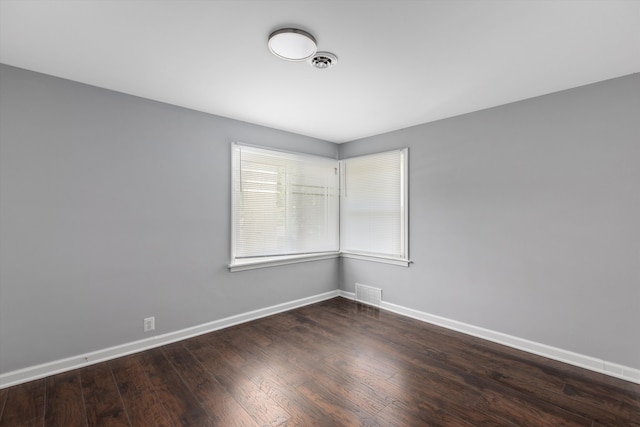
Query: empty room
[{"x": 317, "y": 212}]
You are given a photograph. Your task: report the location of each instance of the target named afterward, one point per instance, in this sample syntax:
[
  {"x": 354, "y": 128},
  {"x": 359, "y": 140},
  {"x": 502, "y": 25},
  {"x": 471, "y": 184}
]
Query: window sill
[
  {"x": 241, "y": 265},
  {"x": 253, "y": 264},
  {"x": 384, "y": 260}
]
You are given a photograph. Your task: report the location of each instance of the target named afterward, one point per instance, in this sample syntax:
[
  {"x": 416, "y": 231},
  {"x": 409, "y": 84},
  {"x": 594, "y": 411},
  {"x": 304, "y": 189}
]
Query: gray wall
[
  {"x": 115, "y": 208},
  {"x": 525, "y": 219}
]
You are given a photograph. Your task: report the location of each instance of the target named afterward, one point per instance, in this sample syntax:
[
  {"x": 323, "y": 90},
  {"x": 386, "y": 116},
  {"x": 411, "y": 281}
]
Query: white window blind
[
  {"x": 373, "y": 207},
  {"x": 284, "y": 204}
]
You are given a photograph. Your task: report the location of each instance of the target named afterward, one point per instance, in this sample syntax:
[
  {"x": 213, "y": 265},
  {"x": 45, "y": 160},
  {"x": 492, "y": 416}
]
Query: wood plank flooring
[{"x": 335, "y": 363}]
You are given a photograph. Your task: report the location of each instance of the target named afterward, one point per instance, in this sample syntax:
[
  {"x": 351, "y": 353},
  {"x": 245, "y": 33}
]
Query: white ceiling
[{"x": 401, "y": 63}]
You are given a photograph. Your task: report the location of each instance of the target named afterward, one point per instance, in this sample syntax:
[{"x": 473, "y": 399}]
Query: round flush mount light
[{"x": 292, "y": 44}]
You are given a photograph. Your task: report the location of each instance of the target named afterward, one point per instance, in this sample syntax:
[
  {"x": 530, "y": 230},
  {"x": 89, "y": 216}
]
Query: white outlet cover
[{"x": 149, "y": 324}]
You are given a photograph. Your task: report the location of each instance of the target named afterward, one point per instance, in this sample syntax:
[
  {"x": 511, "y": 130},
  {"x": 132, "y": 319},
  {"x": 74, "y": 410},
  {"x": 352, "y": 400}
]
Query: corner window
[{"x": 289, "y": 207}]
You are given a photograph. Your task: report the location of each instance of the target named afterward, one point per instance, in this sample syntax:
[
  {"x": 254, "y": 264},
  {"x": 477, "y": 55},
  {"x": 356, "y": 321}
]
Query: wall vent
[{"x": 368, "y": 295}]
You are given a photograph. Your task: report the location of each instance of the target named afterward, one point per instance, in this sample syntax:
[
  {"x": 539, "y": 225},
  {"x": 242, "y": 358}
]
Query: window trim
[
  {"x": 375, "y": 258},
  {"x": 273, "y": 261}
]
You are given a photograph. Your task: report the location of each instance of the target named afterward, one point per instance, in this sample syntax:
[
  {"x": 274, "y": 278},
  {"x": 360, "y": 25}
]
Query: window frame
[
  {"x": 250, "y": 263},
  {"x": 256, "y": 262},
  {"x": 404, "y": 259}
]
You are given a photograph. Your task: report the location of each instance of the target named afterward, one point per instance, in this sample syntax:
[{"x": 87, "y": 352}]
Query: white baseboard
[
  {"x": 587, "y": 362},
  {"x": 51, "y": 368},
  {"x": 576, "y": 359}
]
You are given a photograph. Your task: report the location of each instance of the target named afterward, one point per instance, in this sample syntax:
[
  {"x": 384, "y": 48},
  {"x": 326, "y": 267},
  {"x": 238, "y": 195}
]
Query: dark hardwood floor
[{"x": 335, "y": 363}]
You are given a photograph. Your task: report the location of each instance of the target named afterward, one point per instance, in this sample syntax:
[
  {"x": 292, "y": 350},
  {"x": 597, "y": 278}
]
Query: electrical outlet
[{"x": 149, "y": 324}]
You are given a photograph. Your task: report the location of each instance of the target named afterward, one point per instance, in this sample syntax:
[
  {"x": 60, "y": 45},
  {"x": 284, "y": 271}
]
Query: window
[
  {"x": 373, "y": 209},
  {"x": 286, "y": 207}
]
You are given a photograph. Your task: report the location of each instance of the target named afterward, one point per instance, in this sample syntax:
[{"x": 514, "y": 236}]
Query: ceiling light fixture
[{"x": 292, "y": 44}]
